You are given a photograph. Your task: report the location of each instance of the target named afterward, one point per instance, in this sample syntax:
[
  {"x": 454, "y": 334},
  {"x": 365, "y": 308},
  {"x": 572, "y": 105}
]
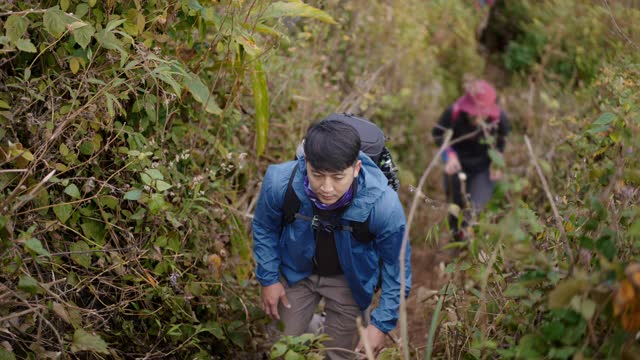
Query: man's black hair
[{"x": 331, "y": 145}]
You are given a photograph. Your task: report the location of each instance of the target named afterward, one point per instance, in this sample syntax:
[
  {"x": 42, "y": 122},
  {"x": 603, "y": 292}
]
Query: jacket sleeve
[
  {"x": 504, "y": 126},
  {"x": 267, "y": 228},
  {"x": 390, "y": 230}
]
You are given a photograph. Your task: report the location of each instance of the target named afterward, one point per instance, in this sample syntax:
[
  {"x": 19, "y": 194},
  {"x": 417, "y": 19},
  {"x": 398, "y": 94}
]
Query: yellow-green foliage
[{"x": 124, "y": 158}]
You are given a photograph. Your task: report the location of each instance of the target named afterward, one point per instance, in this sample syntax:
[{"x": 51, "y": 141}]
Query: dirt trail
[{"x": 427, "y": 266}]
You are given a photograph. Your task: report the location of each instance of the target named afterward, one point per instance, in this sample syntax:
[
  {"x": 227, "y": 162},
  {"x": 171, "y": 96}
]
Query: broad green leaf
[
  {"x": 26, "y": 45},
  {"x": 515, "y": 290},
  {"x": 73, "y": 191},
  {"x": 296, "y": 9},
  {"x": 269, "y": 30},
  {"x": 114, "y": 24},
  {"x": 94, "y": 230},
  {"x": 109, "y": 41},
  {"x": 210, "y": 17},
  {"x": 82, "y": 257},
  {"x": 162, "y": 186},
  {"x": 146, "y": 179},
  {"x": 278, "y": 350},
  {"x": 261, "y": 103},
  {"x": 63, "y": 212},
  {"x": 29, "y": 284},
  {"x": 195, "y": 5},
  {"x": 133, "y": 194},
  {"x": 248, "y": 44},
  {"x": 15, "y": 27},
  {"x": 83, "y": 341},
  {"x": 163, "y": 73},
  {"x": 214, "y": 329},
  {"x": 27, "y": 155},
  {"x": 201, "y": 93},
  {"x": 140, "y": 23},
  {"x": 61, "y": 311},
  {"x": 564, "y": 292},
  {"x": 35, "y": 245},
  {"x": 4, "y": 105},
  {"x": 83, "y": 35},
  {"x": 605, "y": 119},
  {"x": 293, "y": 355},
  {"x": 6, "y": 354},
  {"x": 74, "y": 65},
  {"x": 64, "y": 149},
  {"x": 496, "y": 158},
  {"x": 76, "y": 25},
  {"x": 156, "y": 203},
  {"x": 588, "y": 309},
  {"x": 54, "y": 21},
  {"x": 108, "y": 201},
  {"x": 64, "y": 5},
  {"x": 602, "y": 123},
  {"x": 81, "y": 10},
  {"x": 155, "y": 174}
]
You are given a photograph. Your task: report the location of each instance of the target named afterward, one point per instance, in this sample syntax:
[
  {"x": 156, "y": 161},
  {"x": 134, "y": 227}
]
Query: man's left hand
[{"x": 375, "y": 338}]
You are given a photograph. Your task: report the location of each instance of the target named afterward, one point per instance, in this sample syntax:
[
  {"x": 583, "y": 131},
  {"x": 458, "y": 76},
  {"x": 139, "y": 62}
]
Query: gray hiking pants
[
  {"x": 473, "y": 195},
  {"x": 340, "y": 308}
]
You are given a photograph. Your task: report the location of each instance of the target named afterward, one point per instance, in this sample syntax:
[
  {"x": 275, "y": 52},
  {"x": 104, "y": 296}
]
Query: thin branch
[
  {"x": 364, "y": 339},
  {"x": 405, "y": 240},
  {"x": 615, "y": 23},
  {"x": 556, "y": 214}
]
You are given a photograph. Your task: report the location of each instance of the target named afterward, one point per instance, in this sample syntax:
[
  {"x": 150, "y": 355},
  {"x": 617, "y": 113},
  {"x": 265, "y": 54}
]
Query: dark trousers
[{"x": 469, "y": 196}]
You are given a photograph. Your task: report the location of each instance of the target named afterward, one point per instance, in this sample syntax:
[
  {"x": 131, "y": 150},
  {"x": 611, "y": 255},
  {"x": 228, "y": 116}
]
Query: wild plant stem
[
  {"x": 556, "y": 213},
  {"x": 405, "y": 239}
]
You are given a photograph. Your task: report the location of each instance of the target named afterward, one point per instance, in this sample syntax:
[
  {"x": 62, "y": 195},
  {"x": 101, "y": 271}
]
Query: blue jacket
[{"x": 290, "y": 251}]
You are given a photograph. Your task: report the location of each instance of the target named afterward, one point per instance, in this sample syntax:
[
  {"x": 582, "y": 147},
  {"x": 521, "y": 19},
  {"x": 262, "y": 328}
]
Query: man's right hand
[
  {"x": 453, "y": 165},
  {"x": 271, "y": 295}
]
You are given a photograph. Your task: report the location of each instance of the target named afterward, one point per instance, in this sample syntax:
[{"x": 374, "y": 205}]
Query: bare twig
[
  {"x": 556, "y": 214},
  {"x": 615, "y": 23},
  {"x": 33, "y": 191},
  {"x": 364, "y": 339},
  {"x": 18, "y": 314},
  {"x": 405, "y": 240}
]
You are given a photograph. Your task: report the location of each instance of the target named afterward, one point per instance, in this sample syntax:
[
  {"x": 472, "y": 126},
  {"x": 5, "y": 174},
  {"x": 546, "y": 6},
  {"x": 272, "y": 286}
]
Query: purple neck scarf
[{"x": 344, "y": 200}]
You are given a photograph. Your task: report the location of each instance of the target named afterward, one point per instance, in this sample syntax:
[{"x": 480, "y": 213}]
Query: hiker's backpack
[{"x": 372, "y": 144}]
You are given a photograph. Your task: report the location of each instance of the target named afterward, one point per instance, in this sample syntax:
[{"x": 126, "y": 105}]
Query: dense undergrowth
[{"x": 133, "y": 135}]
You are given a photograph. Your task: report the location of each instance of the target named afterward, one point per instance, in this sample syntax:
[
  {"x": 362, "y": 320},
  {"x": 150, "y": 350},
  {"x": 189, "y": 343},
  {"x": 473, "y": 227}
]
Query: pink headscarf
[{"x": 479, "y": 100}]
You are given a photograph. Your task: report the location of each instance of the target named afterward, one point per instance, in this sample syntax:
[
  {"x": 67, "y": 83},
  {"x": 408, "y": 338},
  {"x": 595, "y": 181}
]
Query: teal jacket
[{"x": 289, "y": 251}]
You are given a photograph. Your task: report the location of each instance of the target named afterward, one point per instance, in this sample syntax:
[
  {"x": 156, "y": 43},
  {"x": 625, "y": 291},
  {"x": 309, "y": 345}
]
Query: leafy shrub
[
  {"x": 541, "y": 286},
  {"x": 123, "y": 155}
]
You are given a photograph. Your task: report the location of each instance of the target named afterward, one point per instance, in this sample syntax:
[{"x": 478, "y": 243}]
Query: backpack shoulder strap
[
  {"x": 361, "y": 232},
  {"x": 291, "y": 203}
]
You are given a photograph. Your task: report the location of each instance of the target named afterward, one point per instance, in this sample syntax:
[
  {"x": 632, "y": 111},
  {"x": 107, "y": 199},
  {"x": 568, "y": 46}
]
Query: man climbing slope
[{"x": 345, "y": 236}]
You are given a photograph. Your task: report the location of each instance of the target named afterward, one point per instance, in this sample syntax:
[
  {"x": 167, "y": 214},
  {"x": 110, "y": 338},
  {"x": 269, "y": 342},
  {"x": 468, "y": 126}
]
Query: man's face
[{"x": 330, "y": 186}]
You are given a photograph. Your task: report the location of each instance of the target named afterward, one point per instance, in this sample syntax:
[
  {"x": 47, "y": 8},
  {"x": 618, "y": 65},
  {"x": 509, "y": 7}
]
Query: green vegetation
[{"x": 133, "y": 135}]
